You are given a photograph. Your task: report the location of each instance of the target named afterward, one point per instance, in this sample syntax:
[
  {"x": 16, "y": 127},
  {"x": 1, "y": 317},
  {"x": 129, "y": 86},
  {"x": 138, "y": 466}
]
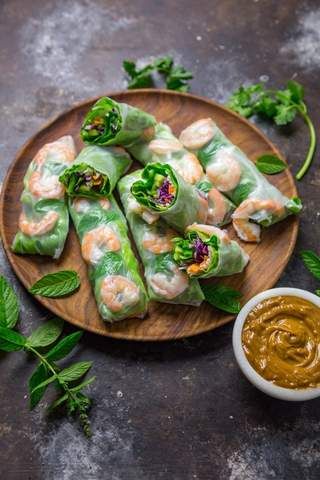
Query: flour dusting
[
  {"x": 249, "y": 465},
  {"x": 303, "y": 45},
  {"x": 56, "y": 44}
]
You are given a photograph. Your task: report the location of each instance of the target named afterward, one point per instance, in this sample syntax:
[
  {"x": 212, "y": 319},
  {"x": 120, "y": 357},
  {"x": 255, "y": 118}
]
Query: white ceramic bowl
[{"x": 264, "y": 385}]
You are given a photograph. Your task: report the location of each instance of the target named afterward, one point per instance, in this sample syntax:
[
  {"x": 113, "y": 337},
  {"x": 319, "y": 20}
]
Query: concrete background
[{"x": 180, "y": 410}]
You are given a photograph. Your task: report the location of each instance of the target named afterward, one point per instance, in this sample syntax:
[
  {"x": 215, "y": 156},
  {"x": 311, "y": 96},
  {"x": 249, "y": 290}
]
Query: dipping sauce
[{"x": 281, "y": 339}]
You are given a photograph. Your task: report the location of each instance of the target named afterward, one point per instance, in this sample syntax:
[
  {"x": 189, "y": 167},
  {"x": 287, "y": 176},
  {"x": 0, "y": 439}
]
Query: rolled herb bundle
[
  {"x": 44, "y": 220},
  {"x": 162, "y": 191},
  {"x": 96, "y": 171},
  {"x": 166, "y": 282},
  {"x": 112, "y": 123},
  {"x": 206, "y": 251},
  {"x": 113, "y": 268},
  {"x": 232, "y": 173}
]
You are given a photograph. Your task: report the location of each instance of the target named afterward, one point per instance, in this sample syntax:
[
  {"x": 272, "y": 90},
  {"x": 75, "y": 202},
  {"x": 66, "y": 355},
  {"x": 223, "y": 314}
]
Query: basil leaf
[
  {"x": 58, "y": 402},
  {"x": 270, "y": 164},
  {"x": 75, "y": 371},
  {"x": 11, "y": 340},
  {"x": 46, "y": 334},
  {"x": 56, "y": 284},
  {"x": 9, "y": 307},
  {"x": 241, "y": 193},
  {"x": 312, "y": 262},
  {"x": 39, "y": 375},
  {"x": 38, "y": 392},
  {"x": 82, "y": 385},
  {"x": 222, "y": 297},
  {"x": 64, "y": 347}
]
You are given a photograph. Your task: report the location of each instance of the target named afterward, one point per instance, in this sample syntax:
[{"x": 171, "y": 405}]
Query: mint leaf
[
  {"x": 59, "y": 401},
  {"x": 75, "y": 371},
  {"x": 204, "y": 186},
  {"x": 38, "y": 392},
  {"x": 241, "y": 193},
  {"x": 312, "y": 262},
  {"x": 56, "y": 284},
  {"x": 64, "y": 347},
  {"x": 11, "y": 340},
  {"x": 46, "y": 334},
  {"x": 9, "y": 307},
  {"x": 318, "y": 293},
  {"x": 270, "y": 164},
  {"x": 222, "y": 297}
]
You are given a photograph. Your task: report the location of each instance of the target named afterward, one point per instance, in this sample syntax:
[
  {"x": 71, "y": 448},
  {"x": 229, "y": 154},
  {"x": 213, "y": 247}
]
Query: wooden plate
[{"x": 164, "y": 321}]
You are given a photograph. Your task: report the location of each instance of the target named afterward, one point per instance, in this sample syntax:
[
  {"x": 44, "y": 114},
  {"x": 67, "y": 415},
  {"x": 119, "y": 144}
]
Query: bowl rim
[{"x": 250, "y": 373}]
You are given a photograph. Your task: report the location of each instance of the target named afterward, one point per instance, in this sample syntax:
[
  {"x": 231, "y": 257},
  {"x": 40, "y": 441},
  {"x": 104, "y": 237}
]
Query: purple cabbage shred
[
  {"x": 201, "y": 250},
  {"x": 164, "y": 196}
]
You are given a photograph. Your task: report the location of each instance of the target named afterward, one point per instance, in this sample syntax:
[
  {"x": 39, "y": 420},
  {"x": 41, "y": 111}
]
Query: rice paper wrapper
[{"x": 165, "y": 282}]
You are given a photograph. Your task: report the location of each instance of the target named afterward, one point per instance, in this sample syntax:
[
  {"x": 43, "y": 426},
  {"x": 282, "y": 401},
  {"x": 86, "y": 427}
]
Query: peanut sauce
[{"x": 281, "y": 339}]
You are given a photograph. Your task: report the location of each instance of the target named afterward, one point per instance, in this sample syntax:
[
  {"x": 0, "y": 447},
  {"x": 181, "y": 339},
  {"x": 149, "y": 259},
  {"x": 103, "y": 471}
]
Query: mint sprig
[
  {"x": 48, "y": 372},
  {"x": 58, "y": 284},
  {"x": 222, "y": 297},
  {"x": 9, "y": 307},
  {"x": 279, "y": 106}
]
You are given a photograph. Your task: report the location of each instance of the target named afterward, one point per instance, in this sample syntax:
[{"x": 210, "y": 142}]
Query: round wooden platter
[{"x": 163, "y": 321}]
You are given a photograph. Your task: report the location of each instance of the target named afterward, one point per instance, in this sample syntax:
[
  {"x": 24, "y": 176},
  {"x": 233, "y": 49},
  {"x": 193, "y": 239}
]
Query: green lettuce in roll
[
  {"x": 165, "y": 281},
  {"x": 113, "y": 268},
  {"x": 206, "y": 251},
  {"x": 44, "y": 221},
  {"x": 112, "y": 123},
  {"x": 95, "y": 172},
  {"x": 162, "y": 190},
  {"x": 232, "y": 173}
]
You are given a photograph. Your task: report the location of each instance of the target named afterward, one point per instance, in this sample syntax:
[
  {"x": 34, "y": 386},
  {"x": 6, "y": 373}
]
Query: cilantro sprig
[
  {"x": 279, "y": 106},
  {"x": 176, "y": 77},
  {"x": 45, "y": 346}
]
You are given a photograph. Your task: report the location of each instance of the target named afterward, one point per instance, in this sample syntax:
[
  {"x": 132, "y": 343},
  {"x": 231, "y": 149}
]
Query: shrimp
[
  {"x": 225, "y": 171},
  {"x": 162, "y": 146},
  {"x": 63, "y": 147},
  {"x": 203, "y": 208},
  {"x": 217, "y": 207},
  {"x": 148, "y": 134},
  {"x": 38, "y": 228},
  {"x": 97, "y": 241},
  {"x": 246, "y": 230},
  {"x": 45, "y": 186},
  {"x": 167, "y": 286},
  {"x": 135, "y": 207},
  {"x": 198, "y": 134},
  {"x": 118, "y": 292},
  {"x": 160, "y": 242},
  {"x": 82, "y": 205},
  {"x": 189, "y": 168}
]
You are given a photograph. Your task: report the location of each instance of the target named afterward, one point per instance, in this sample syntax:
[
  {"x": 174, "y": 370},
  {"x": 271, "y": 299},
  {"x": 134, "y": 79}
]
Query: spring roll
[
  {"x": 163, "y": 191},
  {"x": 232, "y": 173},
  {"x": 165, "y": 281},
  {"x": 96, "y": 171},
  {"x": 44, "y": 220},
  {"x": 112, "y": 123},
  {"x": 206, "y": 251},
  {"x": 112, "y": 266}
]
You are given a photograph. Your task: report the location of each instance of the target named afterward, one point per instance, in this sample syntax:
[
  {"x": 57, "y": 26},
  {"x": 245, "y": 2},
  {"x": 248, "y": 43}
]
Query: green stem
[
  {"x": 312, "y": 145},
  {"x": 82, "y": 414}
]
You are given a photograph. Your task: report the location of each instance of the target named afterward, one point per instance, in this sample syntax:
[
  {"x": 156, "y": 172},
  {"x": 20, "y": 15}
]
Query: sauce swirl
[{"x": 281, "y": 339}]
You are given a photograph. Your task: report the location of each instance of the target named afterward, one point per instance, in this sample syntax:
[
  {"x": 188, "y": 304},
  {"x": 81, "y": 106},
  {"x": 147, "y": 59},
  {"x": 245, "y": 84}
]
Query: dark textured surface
[{"x": 178, "y": 410}]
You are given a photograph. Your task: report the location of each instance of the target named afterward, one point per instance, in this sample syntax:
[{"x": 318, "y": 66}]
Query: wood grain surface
[{"x": 164, "y": 321}]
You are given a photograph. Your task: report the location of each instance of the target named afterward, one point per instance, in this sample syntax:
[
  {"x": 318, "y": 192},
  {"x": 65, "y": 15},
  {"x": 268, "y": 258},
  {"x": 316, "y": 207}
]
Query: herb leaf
[
  {"x": 82, "y": 385},
  {"x": 75, "y": 371},
  {"x": 270, "y": 164},
  {"x": 46, "y": 334},
  {"x": 56, "y": 284},
  {"x": 9, "y": 308},
  {"x": 222, "y": 297},
  {"x": 39, "y": 375},
  {"x": 312, "y": 262},
  {"x": 241, "y": 192},
  {"x": 37, "y": 393},
  {"x": 318, "y": 293},
  {"x": 64, "y": 347},
  {"x": 12, "y": 340},
  {"x": 59, "y": 401}
]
